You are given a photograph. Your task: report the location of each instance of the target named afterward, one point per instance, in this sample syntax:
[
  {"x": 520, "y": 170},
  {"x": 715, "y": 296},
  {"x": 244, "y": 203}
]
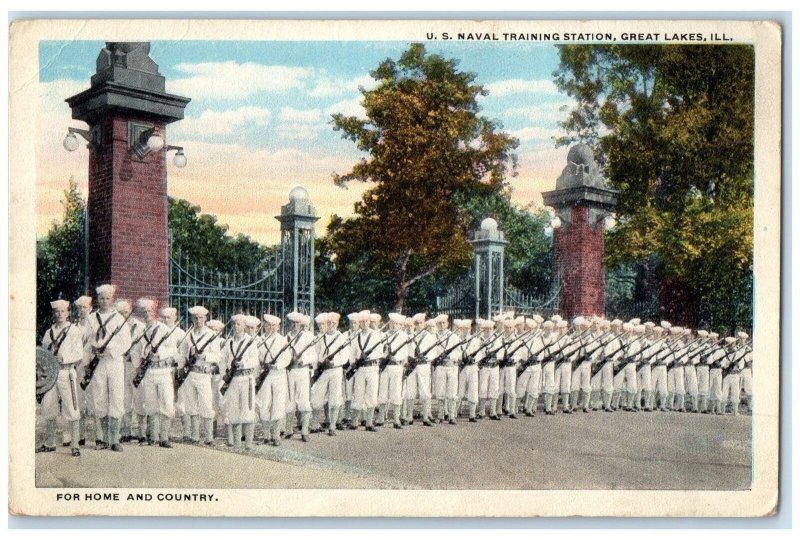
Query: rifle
[
  {"x": 439, "y": 359},
  {"x": 418, "y": 356},
  {"x": 351, "y": 370},
  {"x": 228, "y": 377},
  {"x": 145, "y": 364},
  {"x": 587, "y": 354},
  {"x": 627, "y": 360},
  {"x": 183, "y": 373},
  {"x": 562, "y": 360},
  {"x": 483, "y": 346},
  {"x": 266, "y": 367},
  {"x": 521, "y": 338},
  {"x": 391, "y": 352},
  {"x": 90, "y": 368}
]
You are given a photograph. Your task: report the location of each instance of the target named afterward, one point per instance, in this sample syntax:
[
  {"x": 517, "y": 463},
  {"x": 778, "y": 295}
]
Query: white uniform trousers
[
  {"x": 239, "y": 400},
  {"x": 746, "y": 378},
  {"x": 62, "y": 399},
  {"x": 159, "y": 392},
  {"x": 129, "y": 389},
  {"x": 529, "y": 381},
  {"x": 645, "y": 377},
  {"x": 180, "y": 401},
  {"x": 690, "y": 376},
  {"x": 489, "y": 383},
  {"x": 299, "y": 390},
  {"x": 219, "y": 399},
  {"x": 563, "y": 378},
  {"x": 271, "y": 398},
  {"x": 508, "y": 381},
  {"x": 198, "y": 396},
  {"x": 365, "y": 388},
  {"x": 549, "y": 377},
  {"x": 731, "y": 388},
  {"x": 679, "y": 380},
  {"x": 702, "y": 380},
  {"x": 390, "y": 386},
  {"x": 468, "y": 383},
  {"x": 327, "y": 389},
  {"x": 418, "y": 383},
  {"x": 85, "y": 403},
  {"x": 607, "y": 377},
  {"x": 631, "y": 378},
  {"x": 582, "y": 377},
  {"x": 445, "y": 382},
  {"x": 108, "y": 388},
  {"x": 715, "y": 383},
  {"x": 659, "y": 375},
  {"x": 671, "y": 379}
]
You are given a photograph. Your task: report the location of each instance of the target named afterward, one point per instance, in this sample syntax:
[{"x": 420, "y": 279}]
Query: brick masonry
[
  {"x": 128, "y": 214},
  {"x": 578, "y": 255}
]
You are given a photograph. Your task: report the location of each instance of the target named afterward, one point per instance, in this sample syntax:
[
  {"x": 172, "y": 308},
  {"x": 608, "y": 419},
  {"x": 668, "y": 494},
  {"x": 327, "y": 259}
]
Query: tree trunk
[{"x": 400, "y": 285}]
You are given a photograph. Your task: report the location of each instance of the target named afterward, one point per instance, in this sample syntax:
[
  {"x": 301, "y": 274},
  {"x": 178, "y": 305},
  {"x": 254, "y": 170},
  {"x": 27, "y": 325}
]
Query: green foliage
[
  {"x": 60, "y": 258},
  {"x": 207, "y": 243},
  {"x": 427, "y": 145},
  {"x": 673, "y": 126}
]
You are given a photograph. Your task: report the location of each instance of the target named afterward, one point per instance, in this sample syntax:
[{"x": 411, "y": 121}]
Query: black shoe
[
  {"x": 209, "y": 443},
  {"x": 116, "y": 447},
  {"x": 45, "y": 448},
  {"x": 66, "y": 444},
  {"x": 379, "y": 424},
  {"x": 512, "y": 416},
  {"x": 339, "y": 427},
  {"x": 451, "y": 422},
  {"x": 287, "y": 435},
  {"x": 165, "y": 444},
  {"x": 143, "y": 442},
  {"x": 495, "y": 417},
  {"x": 474, "y": 420},
  {"x": 76, "y": 452},
  {"x": 152, "y": 442},
  {"x": 332, "y": 432},
  {"x": 398, "y": 426},
  {"x": 427, "y": 423},
  {"x": 352, "y": 427},
  {"x": 275, "y": 442},
  {"x": 567, "y": 411},
  {"x": 101, "y": 445},
  {"x": 82, "y": 442},
  {"x": 372, "y": 428},
  {"x": 529, "y": 414},
  {"x": 304, "y": 437}
]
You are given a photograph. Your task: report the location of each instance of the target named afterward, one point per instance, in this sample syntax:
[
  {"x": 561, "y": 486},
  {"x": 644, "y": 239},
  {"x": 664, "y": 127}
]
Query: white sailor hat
[
  {"x": 84, "y": 301},
  {"x": 665, "y": 325},
  {"x": 321, "y": 318},
  {"x": 713, "y": 335},
  {"x": 499, "y": 318},
  {"x": 396, "y": 318},
  {"x": 702, "y": 333},
  {"x": 215, "y": 325},
  {"x": 627, "y": 327},
  {"x": 107, "y": 288},
  {"x": 484, "y": 323},
  {"x": 519, "y": 320},
  {"x": 635, "y": 321},
  {"x": 676, "y": 330},
  {"x": 650, "y": 325},
  {"x": 271, "y": 320},
  {"x": 730, "y": 340},
  {"x": 295, "y": 316},
  {"x": 305, "y": 320},
  {"x": 538, "y": 318},
  {"x": 122, "y": 305},
  {"x": 509, "y": 314},
  {"x": 580, "y": 321},
  {"x": 364, "y": 315},
  {"x": 441, "y": 318},
  {"x": 239, "y": 318},
  {"x": 374, "y": 317},
  {"x": 604, "y": 323},
  {"x": 639, "y": 329},
  {"x": 742, "y": 335},
  {"x": 616, "y": 322},
  {"x": 562, "y": 324},
  {"x": 430, "y": 323},
  {"x": 352, "y": 317},
  {"x": 687, "y": 331},
  {"x": 334, "y": 317},
  {"x": 556, "y": 318},
  {"x": 198, "y": 310},
  {"x": 251, "y": 321},
  {"x": 147, "y": 304},
  {"x": 659, "y": 330},
  {"x": 462, "y": 323},
  {"x": 531, "y": 323},
  {"x": 548, "y": 325},
  {"x": 169, "y": 312},
  {"x": 509, "y": 323},
  {"x": 419, "y": 318},
  {"x": 59, "y": 304}
]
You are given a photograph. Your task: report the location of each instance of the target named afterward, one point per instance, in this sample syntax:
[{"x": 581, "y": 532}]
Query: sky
[{"x": 259, "y": 120}]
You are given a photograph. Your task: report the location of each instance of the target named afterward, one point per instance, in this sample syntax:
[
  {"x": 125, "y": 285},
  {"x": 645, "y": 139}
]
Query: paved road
[{"x": 582, "y": 451}]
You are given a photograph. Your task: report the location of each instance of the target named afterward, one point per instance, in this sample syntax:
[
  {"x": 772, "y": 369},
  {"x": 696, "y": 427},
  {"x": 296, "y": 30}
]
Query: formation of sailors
[{"x": 134, "y": 370}]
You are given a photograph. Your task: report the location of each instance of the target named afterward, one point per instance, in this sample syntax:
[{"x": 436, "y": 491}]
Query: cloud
[
  {"x": 522, "y": 86},
  {"x": 545, "y": 112},
  {"x": 535, "y": 133},
  {"x": 235, "y": 80},
  {"x": 214, "y": 124},
  {"x": 348, "y": 107},
  {"x": 327, "y": 87},
  {"x": 302, "y": 124}
]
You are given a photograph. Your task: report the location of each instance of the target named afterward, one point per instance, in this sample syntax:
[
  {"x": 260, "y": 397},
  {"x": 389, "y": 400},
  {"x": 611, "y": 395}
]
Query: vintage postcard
[{"x": 394, "y": 268}]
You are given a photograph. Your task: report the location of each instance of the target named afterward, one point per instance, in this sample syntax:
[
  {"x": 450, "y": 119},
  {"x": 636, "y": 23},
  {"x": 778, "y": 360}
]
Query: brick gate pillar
[
  {"x": 581, "y": 201},
  {"x": 127, "y": 110}
]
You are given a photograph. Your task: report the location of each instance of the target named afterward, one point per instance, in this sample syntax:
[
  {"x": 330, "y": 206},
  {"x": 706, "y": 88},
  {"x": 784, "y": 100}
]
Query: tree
[
  {"x": 60, "y": 270},
  {"x": 426, "y": 145},
  {"x": 673, "y": 126}
]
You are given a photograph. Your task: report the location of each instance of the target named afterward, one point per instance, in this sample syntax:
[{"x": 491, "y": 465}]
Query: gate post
[
  {"x": 582, "y": 201},
  {"x": 297, "y": 247},
  {"x": 127, "y": 110},
  {"x": 488, "y": 244}
]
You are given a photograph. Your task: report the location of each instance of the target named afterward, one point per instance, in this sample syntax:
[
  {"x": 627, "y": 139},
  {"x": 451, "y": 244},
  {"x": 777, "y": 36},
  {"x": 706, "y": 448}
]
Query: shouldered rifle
[
  {"x": 417, "y": 359},
  {"x": 266, "y": 367},
  {"x": 183, "y": 373},
  {"x": 564, "y": 358},
  {"x": 733, "y": 366},
  {"x": 594, "y": 339},
  {"x": 90, "y": 368},
  {"x": 442, "y": 357},
  {"x": 627, "y": 359},
  {"x": 297, "y": 354},
  {"x": 141, "y": 371},
  {"x": 228, "y": 377},
  {"x": 362, "y": 359},
  {"x": 484, "y": 345},
  {"x": 393, "y": 351},
  {"x": 508, "y": 354}
]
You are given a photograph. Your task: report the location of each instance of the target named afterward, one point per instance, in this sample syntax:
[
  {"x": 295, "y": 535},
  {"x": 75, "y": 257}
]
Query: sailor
[
  {"x": 84, "y": 305},
  {"x": 581, "y": 383},
  {"x": 124, "y": 308},
  {"x": 660, "y": 358},
  {"x": 690, "y": 370},
  {"x": 702, "y": 368},
  {"x": 550, "y": 340},
  {"x": 65, "y": 341},
  {"x": 333, "y": 353},
  {"x": 272, "y": 396},
  {"x": 611, "y": 351},
  {"x": 390, "y": 391},
  {"x": 489, "y": 374},
  {"x": 169, "y": 316},
  {"x": 676, "y": 377},
  {"x": 468, "y": 378},
  {"x": 304, "y": 357},
  {"x": 368, "y": 348},
  {"x": 347, "y": 386},
  {"x": 643, "y": 399},
  {"x": 109, "y": 341},
  {"x": 240, "y": 359},
  {"x": 511, "y": 355},
  {"x": 567, "y": 348},
  {"x": 199, "y": 354},
  {"x": 218, "y": 327},
  {"x": 418, "y": 381},
  {"x": 529, "y": 380},
  {"x": 445, "y": 375},
  {"x": 732, "y": 364},
  {"x": 746, "y": 375}
]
